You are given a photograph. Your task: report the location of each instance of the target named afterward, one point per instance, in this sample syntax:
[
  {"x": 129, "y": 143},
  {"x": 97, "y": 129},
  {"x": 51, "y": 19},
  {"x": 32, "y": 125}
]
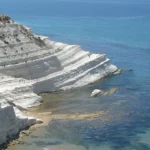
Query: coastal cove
[{"x": 31, "y": 64}]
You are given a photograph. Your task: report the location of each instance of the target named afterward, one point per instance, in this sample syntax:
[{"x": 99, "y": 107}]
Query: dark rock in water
[
  {"x": 120, "y": 71},
  {"x": 130, "y": 70}
]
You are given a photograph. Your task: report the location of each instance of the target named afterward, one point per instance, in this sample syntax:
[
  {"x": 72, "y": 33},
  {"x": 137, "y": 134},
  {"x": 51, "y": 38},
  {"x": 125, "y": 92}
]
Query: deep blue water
[{"x": 119, "y": 28}]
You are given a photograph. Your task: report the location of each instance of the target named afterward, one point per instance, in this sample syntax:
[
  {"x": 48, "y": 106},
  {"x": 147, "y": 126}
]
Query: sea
[{"x": 121, "y": 30}]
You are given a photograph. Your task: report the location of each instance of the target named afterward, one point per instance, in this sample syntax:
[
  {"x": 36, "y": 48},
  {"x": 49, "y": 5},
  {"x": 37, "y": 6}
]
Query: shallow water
[
  {"x": 119, "y": 28},
  {"x": 126, "y": 125}
]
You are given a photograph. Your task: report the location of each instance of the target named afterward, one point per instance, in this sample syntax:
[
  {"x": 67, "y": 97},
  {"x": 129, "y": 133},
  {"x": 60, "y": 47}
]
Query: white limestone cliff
[{"x": 30, "y": 64}]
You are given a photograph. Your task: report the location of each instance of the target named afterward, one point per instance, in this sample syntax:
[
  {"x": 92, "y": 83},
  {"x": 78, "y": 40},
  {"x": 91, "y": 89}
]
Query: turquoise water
[{"x": 119, "y": 28}]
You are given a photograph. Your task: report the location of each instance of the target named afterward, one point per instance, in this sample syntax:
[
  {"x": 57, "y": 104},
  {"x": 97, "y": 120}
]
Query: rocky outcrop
[
  {"x": 11, "y": 118},
  {"x": 5, "y": 19},
  {"x": 32, "y": 64},
  {"x": 96, "y": 93}
]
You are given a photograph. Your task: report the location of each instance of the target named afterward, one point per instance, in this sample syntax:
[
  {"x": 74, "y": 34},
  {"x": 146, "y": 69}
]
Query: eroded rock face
[
  {"x": 49, "y": 65},
  {"x": 31, "y": 64},
  {"x": 12, "y": 120}
]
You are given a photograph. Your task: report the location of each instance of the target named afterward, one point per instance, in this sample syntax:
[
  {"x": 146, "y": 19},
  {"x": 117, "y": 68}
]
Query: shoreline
[
  {"x": 25, "y": 133},
  {"x": 47, "y": 117},
  {"x": 36, "y": 64}
]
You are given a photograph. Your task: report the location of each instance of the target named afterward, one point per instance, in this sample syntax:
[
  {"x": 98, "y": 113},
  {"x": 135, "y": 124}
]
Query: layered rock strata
[{"x": 30, "y": 64}]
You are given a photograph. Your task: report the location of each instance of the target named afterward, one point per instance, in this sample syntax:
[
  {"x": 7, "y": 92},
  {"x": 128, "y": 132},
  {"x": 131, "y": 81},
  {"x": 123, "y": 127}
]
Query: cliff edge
[{"x": 30, "y": 64}]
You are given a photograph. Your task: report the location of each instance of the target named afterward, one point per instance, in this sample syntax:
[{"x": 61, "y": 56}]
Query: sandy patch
[{"x": 65, "y": 147}]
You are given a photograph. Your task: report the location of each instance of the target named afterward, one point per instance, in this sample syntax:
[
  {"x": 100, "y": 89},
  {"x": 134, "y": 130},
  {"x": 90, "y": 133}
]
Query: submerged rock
[
  {"x": 111, "y": 91},
  {"x": 86, "y": 116},
  {"x": 120, "y": 71}
]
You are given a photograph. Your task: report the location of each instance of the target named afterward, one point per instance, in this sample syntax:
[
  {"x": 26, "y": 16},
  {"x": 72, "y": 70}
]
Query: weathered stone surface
[
  {"x": 96, "y": 93},
  {"x": 31, "y": 64}
]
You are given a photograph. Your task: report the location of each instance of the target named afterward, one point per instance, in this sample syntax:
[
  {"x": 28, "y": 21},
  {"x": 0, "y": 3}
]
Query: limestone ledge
[{"x": 30, "y": 64}]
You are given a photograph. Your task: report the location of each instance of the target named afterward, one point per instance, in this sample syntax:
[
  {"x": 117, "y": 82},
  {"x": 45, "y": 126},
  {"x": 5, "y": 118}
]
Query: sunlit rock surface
[
  {"x": 96, "y": 92},
  {"x": 32, "y": 64}
]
